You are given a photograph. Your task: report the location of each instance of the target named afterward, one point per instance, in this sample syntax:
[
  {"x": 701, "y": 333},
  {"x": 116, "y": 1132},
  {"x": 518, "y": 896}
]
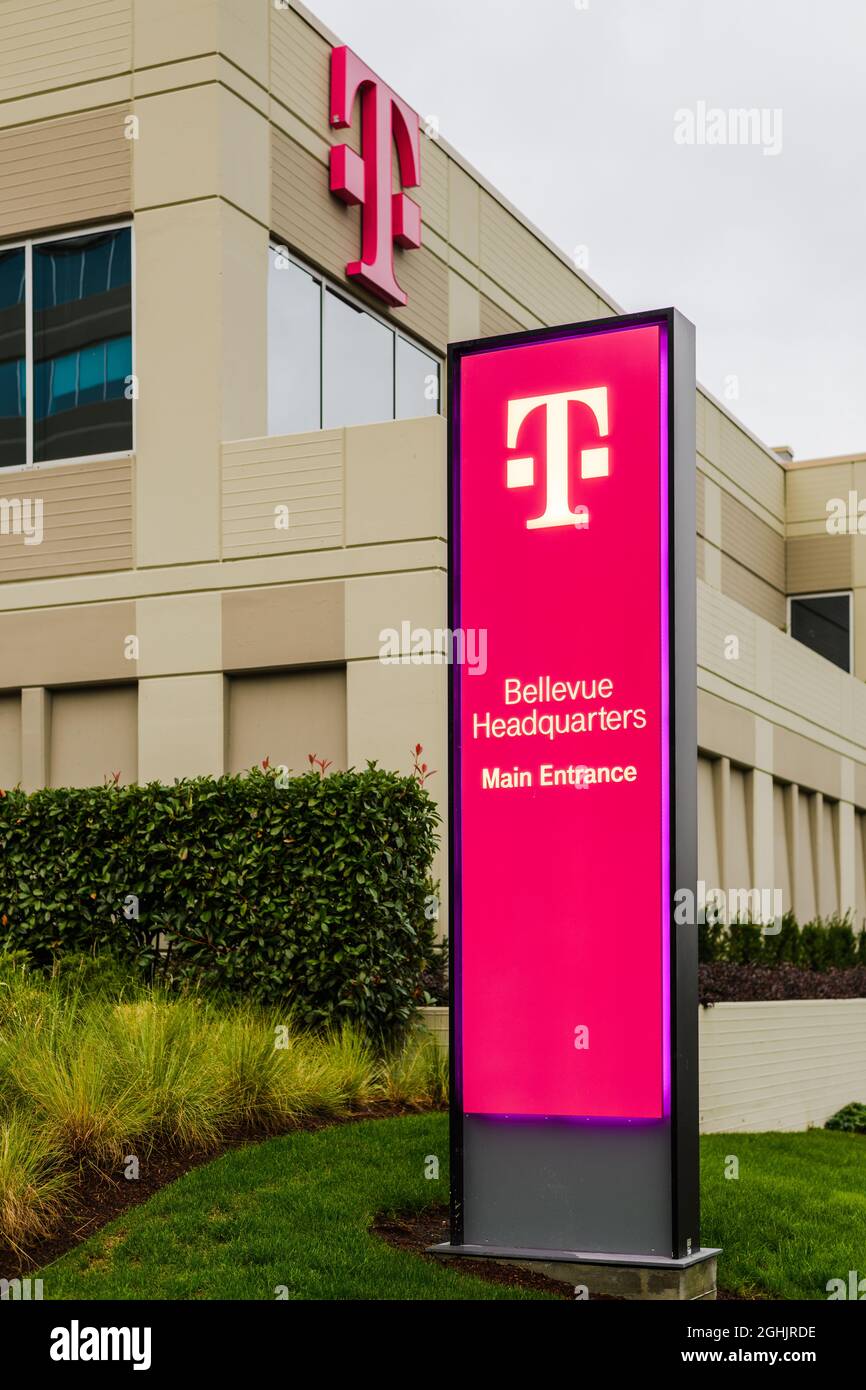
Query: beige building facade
[{"x": 219, "y": 553}]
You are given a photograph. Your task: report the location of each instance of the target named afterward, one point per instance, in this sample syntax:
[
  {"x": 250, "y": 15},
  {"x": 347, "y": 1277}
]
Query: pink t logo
[
  {"x": 594, "y": 463},
  {"x": 366, "y": 179}
]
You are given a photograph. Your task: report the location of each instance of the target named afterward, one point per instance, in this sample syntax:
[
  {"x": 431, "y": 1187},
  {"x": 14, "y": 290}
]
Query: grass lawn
[
  {"x": 295, "y": 1211},
  {"x": 794, "y": 1218}
]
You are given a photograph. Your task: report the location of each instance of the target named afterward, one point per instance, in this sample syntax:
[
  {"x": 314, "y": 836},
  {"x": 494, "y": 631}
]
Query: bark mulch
[{"x": 414, "y": 1231}]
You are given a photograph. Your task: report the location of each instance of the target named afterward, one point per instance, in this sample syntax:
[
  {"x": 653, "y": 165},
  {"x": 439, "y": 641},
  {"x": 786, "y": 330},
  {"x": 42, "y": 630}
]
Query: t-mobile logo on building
[
  {"x": 594, "y": 463},
  {"x": 367, "y": 178}
]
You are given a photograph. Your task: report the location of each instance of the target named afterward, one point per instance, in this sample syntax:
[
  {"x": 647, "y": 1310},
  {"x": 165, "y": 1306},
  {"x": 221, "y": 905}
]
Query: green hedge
[
  {"x": 311, "y": 892},
  {"x": 851, "y": 1119},
  {"x": 831, "y": 944}
]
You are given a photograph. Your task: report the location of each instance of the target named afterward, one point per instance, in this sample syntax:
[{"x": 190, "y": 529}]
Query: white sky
[{"x": 570, "y": 113}]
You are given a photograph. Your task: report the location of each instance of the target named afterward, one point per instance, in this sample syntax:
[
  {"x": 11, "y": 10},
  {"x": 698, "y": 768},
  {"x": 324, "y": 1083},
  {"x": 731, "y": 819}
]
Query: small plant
[
  {"x": 32, "y": 1187},
  {"x": 420, "y": 771},
  {"x": 74, "y": 1094},
  {"x": 783, "y": 947},
  {"x": 417, "y": 1075},
  {"x": 851, "y": 1119},
  {"x": 319, "y": 764},
  {"x": 745, "y": 943},
  {"x": 433, "y": 981}
]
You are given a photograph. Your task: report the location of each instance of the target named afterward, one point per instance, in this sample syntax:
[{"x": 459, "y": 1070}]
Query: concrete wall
[{"x": 780, "y": 1066}]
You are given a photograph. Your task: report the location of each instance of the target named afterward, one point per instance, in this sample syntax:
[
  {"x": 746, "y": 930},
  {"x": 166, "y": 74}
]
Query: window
[
  {"x": 357, "y": 366},
  {"x": 294, "y": 351},
  {"x": 332, "y": 362},
  {"x": 13, "y": 353},
  {"x": 414, "y": 382},
  {"x": 823, "y": 622},
  {"x": 66, "y": 348}
]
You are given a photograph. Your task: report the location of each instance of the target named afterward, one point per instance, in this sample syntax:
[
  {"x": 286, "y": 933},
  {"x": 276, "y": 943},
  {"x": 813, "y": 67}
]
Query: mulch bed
[
  {"x": 98, "y": 1197},
  {"x": 414, "y": 1231}
]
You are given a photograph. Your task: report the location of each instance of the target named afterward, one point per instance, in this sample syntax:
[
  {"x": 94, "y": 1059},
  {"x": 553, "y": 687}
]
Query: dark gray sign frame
[{"x": 555, "y": 1189}]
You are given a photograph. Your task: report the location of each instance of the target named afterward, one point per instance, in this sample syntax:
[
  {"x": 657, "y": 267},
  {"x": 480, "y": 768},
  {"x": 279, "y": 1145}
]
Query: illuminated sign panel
[
  {"x": 563, "y": 778},
  {"x": 566, "y": 769}
]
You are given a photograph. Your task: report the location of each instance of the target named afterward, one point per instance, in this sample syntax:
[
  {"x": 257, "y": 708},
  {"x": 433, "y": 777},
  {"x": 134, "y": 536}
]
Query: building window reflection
[
  {"x": 71, "y": 395},
  {"x": 13, "y": 363}
]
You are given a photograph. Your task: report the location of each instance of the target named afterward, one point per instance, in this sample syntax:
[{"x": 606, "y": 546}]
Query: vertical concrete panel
[
  {"x": 806, "y": 899},
  {"x": 464, "y": 309},
  {"x": 712, "y": 512},
  {"x": 10, "y": 739},
  {"x": 781, "y": 854},
  {"x": 762, "y": 838},
  {"x": 389, "y": 710},
  {"x": 830, "y": 896},
  {"x": 244, "y": 345},
  {"x": 285, "y": 716},
  {"x": 860, "y": 868},
  {"x": 181, "y": 731},
  {"x": 708, "y": 845},
  {"x": 179, "y": 363},
  {"x": 816, "y": 836},
  {"x": 738, "y": 865},
  {"x": 35, "y": 737},
  {"x": 722, "y": 794},
  {"x": 464, "y": 213},
  {"x": 93, "y": 736},
  {"x": 847, "y": 849}
]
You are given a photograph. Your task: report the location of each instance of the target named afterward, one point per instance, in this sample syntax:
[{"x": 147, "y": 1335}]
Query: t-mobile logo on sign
[
  {"x": 594, "y": 463},
  {"x": 367, "y": 178}
]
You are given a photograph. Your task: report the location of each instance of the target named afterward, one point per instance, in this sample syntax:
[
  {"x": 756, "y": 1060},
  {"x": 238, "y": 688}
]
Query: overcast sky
[{"x": 569, "y": 108}]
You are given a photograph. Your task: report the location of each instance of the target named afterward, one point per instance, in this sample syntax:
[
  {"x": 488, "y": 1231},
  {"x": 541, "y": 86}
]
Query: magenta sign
[
  {"x": 563, "y": 457},
  {"x": 562, "y": 744}
]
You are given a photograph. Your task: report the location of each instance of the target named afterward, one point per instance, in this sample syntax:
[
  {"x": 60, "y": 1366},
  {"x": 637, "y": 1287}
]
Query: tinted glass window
[
  {"x": 331, "y": 363},
  {"x": 417, "y": 382},
  {"x": 358, "y": 366},
  {"x": 13, "y": 343},
  {"x": 82, "y": 345},
  {"x": 294, "y": 348},
  {"x": 824, "y": 624}
]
